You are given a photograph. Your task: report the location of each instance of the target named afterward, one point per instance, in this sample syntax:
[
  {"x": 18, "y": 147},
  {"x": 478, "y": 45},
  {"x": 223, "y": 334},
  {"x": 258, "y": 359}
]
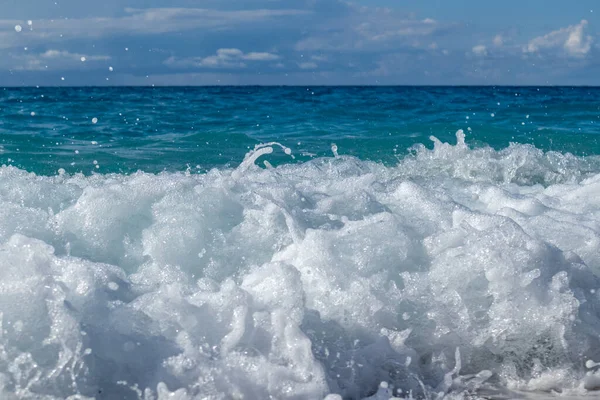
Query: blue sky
[{"x": 299, "y": 42}]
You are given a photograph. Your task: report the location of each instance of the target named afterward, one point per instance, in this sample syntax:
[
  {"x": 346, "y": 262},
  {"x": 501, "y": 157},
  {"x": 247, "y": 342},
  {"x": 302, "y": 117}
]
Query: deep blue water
[{"x": 155, "y": 129}]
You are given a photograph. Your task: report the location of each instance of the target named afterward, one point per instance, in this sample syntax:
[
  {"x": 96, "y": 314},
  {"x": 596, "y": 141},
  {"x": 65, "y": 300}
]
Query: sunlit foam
[{"x": 457, "y": 271}]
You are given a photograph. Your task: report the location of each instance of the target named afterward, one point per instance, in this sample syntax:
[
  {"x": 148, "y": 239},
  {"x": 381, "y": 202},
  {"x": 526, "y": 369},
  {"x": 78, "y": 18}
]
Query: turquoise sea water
[
  {"x": 155, "y": 129},
  {"x": 299, "y": 243}
]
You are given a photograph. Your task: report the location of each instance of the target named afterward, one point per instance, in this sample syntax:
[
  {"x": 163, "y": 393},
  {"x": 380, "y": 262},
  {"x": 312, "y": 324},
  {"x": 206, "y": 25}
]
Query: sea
[{"x": 299, "y": 243}]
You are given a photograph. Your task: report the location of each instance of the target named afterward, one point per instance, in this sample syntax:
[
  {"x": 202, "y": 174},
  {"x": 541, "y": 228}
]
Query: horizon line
[{"x": 292, "y": 86}]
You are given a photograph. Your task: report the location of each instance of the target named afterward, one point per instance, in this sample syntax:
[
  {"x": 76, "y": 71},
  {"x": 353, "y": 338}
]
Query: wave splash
[{"x": 458, "y": 271}]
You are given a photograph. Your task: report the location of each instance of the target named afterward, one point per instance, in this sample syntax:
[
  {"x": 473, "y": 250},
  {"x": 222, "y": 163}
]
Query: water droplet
[
  {"x": 334, "y": 150},
  {"x": 591, "y": 364}
]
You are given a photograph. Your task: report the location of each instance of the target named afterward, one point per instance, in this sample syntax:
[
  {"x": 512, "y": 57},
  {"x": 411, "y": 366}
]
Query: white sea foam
[{"x": 458, "y": 271}]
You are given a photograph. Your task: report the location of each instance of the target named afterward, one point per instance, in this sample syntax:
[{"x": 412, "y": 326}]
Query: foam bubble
[{"x": 457, "y": 271}]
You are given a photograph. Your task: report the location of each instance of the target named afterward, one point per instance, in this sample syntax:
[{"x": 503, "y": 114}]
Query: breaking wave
[{"x": 458, "y": 271}]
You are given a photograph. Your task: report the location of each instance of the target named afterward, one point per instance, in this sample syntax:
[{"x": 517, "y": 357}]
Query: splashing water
[
  {"x": 459, "y": 271},
  {"x": 334, "y": 150}
]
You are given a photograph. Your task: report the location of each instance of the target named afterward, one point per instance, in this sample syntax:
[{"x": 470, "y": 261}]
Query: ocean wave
[{"x": 457, "y": 271}]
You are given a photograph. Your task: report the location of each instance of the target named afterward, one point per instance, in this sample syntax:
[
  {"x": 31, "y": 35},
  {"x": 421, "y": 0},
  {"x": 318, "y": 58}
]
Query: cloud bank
[{"x": 293, "y": 42}]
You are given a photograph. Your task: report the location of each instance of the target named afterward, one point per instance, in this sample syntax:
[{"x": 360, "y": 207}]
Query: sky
[{"x": 299, "y": 42}]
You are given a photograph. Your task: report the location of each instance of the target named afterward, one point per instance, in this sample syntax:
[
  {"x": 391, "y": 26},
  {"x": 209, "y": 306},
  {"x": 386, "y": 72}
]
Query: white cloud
[
  {"x": 224, "y": 58},
  {"x": 571, "y": 40},
  {"x": 57, "y": 54},
  {"x": 138, "y": 21},
  {"x": 480, "y": 50},
  {"x": 308, "y": 65},
  {"x": 260, "y": 56},
  {"x": 319, "y": 58},
  {"x": 50, "y": 60},
  {"x": 369, "y": 29},
  {"x": 498, "y": 40},
  {"x": 578, "y": 43}
]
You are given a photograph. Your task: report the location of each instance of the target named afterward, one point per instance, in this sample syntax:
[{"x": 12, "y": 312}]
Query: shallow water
[{"x": 458, "y": 270}]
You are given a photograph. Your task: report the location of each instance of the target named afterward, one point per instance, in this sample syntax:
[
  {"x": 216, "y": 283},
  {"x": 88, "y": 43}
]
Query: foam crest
[{"x": 458, "y": 271}]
